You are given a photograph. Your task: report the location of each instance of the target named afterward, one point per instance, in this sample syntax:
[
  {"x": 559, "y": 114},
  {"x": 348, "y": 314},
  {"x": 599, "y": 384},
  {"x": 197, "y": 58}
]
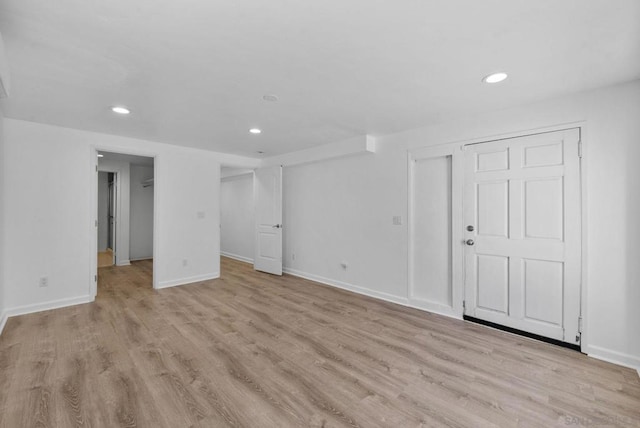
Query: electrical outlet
[
  {"x": 200, "y": 214},
  {"x": 293, "y": 256},
  {"x": 44, "y": 281},
  {"x": 397, "y": 220},
  {"x": 185, "y": 262}
]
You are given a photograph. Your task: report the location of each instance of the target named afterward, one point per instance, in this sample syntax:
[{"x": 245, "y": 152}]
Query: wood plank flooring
[
  {"x": 254, "y": 350},
  {"x": 105, "y": 258}
]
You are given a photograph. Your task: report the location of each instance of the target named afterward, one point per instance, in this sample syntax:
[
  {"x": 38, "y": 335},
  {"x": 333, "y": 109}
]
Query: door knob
[
  {"x": 470, "y": 228},
  {"x": 277, "y": 226},
  {"x": 469, "y": 242}
]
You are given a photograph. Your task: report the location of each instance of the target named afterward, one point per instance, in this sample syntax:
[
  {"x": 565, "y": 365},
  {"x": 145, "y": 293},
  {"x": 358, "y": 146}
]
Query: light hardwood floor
[
  {"x": 105, "y": 258},
  {"x": 255, "y": 350}
]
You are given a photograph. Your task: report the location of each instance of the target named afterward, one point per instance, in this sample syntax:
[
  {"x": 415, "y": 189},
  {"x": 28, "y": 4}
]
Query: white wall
[
  {"x": 123, "y": 206},
  {"x": 53, "y": 167},
  {"x": 341, "y": 210},
  {"x": 141, "y": 214},
  {"x": 2, "y": 225},
  {"x": 236, "y": 217},
  {"x": 334, "y": 211},
  {"x": 103, "y": 210}
]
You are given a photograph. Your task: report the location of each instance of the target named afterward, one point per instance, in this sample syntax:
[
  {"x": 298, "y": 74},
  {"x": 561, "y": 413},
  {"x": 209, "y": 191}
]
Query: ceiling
[{"x": 194, "y": 73}]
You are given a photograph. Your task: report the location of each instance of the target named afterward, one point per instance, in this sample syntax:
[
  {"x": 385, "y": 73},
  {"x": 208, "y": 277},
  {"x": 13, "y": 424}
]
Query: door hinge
[
  {"x": 580, "y": 149},
  {"x": 464, "y": 305},
  {"x": 96, "y": 168},
  {"x": 96, "y": 223},
  {"x": 579, "y": 324},
  {"x": 95, "y": 278}
]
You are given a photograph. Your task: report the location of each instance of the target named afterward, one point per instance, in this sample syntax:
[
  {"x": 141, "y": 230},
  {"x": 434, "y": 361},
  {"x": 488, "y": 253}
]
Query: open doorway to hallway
[
  {"x": 125, "y": 213},
  {"x": 106, "y": 218}
]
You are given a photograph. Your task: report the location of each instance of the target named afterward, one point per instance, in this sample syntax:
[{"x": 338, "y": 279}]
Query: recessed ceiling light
[
  {"x": 100, "y": 155},
  {"x": 270, "y": 97},
  {"x": 495, "y": 77},
  {"x": 255, "y": 131},
  {"x": 120, "y": 110}
]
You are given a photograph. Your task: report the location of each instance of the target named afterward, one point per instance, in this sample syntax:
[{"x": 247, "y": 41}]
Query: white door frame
[
  {"x": 93, "y": 198},
  {"x": 432, "y": 150}
]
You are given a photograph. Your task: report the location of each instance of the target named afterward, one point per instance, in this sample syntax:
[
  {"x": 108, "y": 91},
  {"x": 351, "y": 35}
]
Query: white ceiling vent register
[{"x": 4, "y": 71}]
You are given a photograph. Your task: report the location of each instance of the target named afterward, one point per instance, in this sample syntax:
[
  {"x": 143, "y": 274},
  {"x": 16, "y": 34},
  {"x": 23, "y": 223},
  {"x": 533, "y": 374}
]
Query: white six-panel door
[
  {"x": 267, "y": 191},
  {"x": 522, "y": 258}
]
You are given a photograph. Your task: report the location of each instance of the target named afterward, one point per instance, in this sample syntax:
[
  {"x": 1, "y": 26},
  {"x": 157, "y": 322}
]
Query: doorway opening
[
  {"x": 251, "y": 217},
  {"x": 106, "y": 218},
  {"x": 125, "y": 215}
]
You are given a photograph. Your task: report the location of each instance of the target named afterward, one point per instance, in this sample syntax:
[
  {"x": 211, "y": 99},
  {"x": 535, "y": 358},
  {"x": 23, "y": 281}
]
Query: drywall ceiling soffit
[
  {"x": 194, "y": 74},
  {"x": 130, "y": 159},
  {"x": 359, "y": 145},
  {"x": 229, "y": 173}
]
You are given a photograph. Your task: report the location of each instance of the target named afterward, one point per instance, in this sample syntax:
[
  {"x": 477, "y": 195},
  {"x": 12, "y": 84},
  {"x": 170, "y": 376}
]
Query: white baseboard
[
  {"x": 123, "y": 263},
  {"x": 140, "y": 259},
  {"x": 189, "y": 280},
  {"x": 46, "y": 306},
  {"x": 3, "y": 321},
  {"x": 434, "y": 308},
  {"x": 349, "y": 287},
  {"x": 614, "y": 357},
  {"x": 236, "y": 257}
]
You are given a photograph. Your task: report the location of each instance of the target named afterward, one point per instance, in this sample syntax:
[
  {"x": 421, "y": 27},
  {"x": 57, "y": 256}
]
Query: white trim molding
[
  {"x": 46, "y": 306},
  {"x": 391, "y": 298},
  {"x": 237, "y": 257},
  {"x": 348, "y": 287},
  {"x": 434, "y": 308},
  {"x": 614, "y": 357},
  {"x": 3, "y": 320},
  {"x": 189, "y": 280}
]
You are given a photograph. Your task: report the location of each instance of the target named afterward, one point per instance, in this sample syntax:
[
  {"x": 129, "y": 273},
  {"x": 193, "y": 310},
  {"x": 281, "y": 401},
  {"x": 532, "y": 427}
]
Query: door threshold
[{"x": 522, "y": 333}]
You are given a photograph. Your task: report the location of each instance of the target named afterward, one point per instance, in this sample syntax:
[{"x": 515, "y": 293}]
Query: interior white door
[
  {"x": 522, "y": 231},
  {"x": 267, "y": 190}
]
